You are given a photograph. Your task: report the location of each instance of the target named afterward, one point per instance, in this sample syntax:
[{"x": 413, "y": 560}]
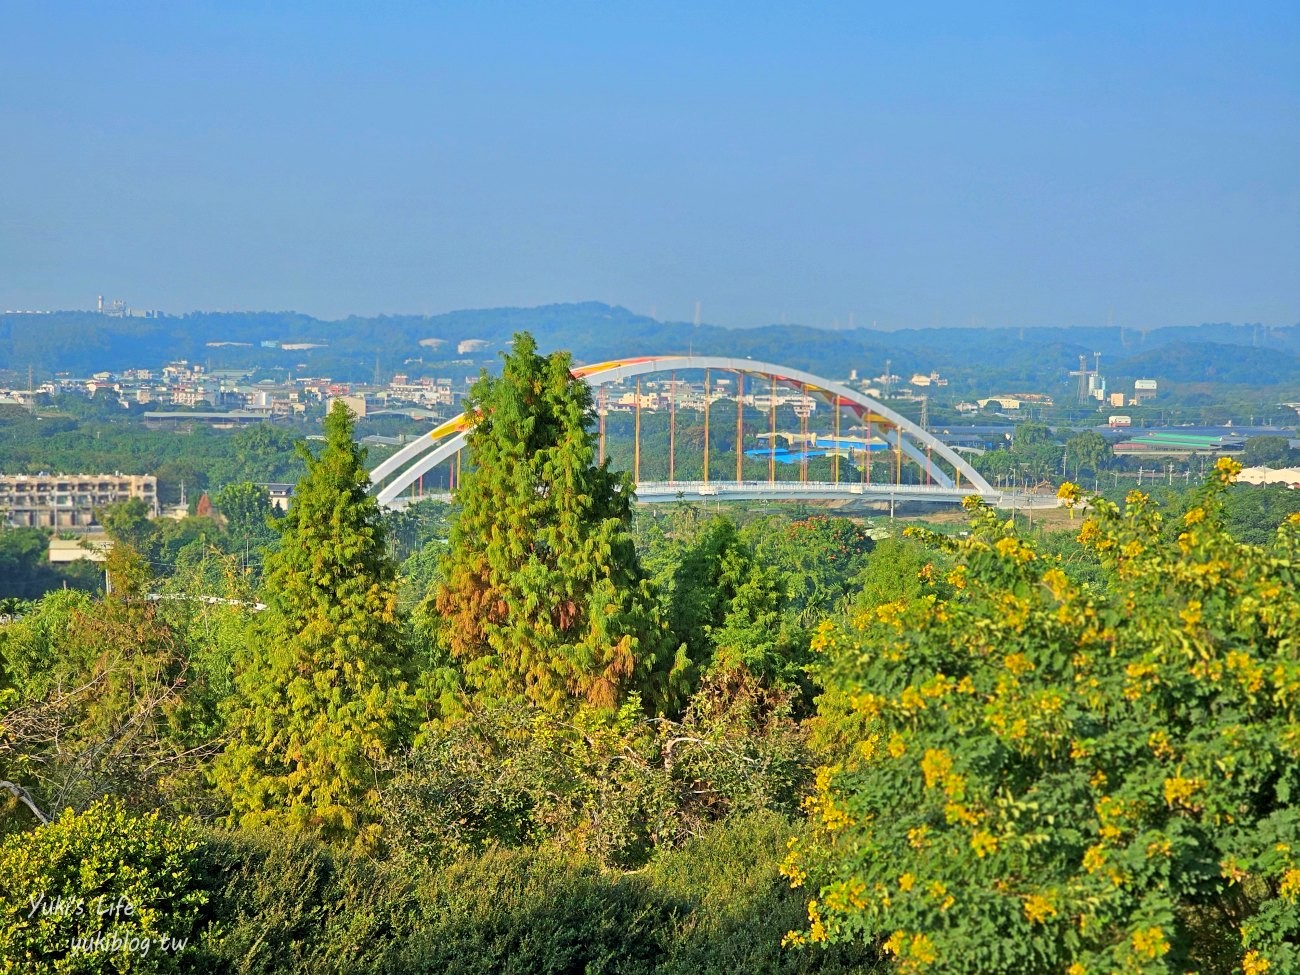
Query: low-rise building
[{"x": 65, "y": 550}]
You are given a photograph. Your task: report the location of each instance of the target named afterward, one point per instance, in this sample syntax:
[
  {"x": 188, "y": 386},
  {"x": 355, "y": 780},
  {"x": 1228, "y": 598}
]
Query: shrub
[
  {"x": 734, "y": 907},
  {"x": 101, "y": 891},
  {"x": 1054, "y": 778},
  {"x": 288, "y": 903}
]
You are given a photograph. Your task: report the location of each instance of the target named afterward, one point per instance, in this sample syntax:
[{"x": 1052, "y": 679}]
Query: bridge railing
[{"x": 798, "y": 487}]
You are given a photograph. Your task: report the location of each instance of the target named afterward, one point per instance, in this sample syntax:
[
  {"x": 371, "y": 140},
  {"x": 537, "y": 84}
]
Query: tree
[
  {"x": 185, "y": 474},
  {"x": 542, "y": 595},
  {"x": 1268, "y": 451},
  {"x": 322, "y": 702},
  {"x": 1030, "y": 434},
  {"x": 1087, "y": 451},
  {"x": 1049, "y": 777},
  {"x": 265, "y": 453},
  {"x": 818, "y": 557},
  {"x": 99, "y": 699},
  {"x": 249, "y": 514},
  {"x": 127, "y": 523}
]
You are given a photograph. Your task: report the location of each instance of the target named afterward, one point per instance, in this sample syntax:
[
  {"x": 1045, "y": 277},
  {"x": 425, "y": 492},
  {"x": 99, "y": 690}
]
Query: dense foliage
[
  {"x": 536, "y": 731},
  {"x": 101, "y": 885},
  {"x": 541, "y": 593},
  {"x": 1043, "y": 776},
  {"x": 321, "y": 698}
]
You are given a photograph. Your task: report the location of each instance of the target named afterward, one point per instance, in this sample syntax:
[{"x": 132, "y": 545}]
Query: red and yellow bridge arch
[{"x": 948, "y": 476}]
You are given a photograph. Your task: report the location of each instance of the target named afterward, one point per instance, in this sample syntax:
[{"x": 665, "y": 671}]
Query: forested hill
[{"x": 355, "y": 348}]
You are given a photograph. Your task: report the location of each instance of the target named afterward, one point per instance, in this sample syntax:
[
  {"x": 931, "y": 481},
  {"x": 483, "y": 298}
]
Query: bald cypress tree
[
  {"x": 542, "y": 596},
  {"x": 321, "y": 701}
]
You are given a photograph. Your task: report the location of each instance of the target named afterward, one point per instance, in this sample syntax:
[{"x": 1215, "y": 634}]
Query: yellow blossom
[
  {"x": 1159, "y": 848},
  {"x": 897, "y": 747},
  {"x": 1089, "y": 532},
  {"x": 1057, "y": 583},
  {"x": 1290, "y": 885},
  {"x": 1226, "y": 470},
  {"x": 822, "y": 635},
  {"x": 1149, "y": 942},
  {"x": 936, "y": 765},
  {"x": 816, "y": 929},
  {"x": 894, "y": 943},
  {"x": 1038, "y": 908},
  {"x": 1255, "y": 964},
  {"x": 911, "y": 700},
  {"x": 906, "y": 882},
  {"x": 983, "y": 844},
  {"x": 1179, "y": 790},
  {"x": 867, "y": 747},
  {"x": 1158, "y": 742},
  {"x": 922, "y": 949},
  {"x": 1018, "y": 663},
  {"x": 955, "y": 812},
  {"x": 1007, "y": 546},
  {"x": 790, "y": 868},
  {"x": 937, "y": 686},
  {"x": 1095, "y": 858}
]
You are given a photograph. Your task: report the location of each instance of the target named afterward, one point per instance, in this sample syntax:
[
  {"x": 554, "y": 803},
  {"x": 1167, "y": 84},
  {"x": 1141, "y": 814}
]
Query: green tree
[
  {"x": 1087, "y": 451},
  {"x": 127, "y": 522},
  {"x": 542, "y": 595},
  {"x": 322, "y": 702},
  {"x": 99, "y": 699},
  {"x": 265, "y": 453},
  {"x": 818, "y": 557},
  {"x": 899, "y": 569},
  {"x": 1053, "y": 777},
  {"x": 1267, "y": 451},
  {"x": 249, "y": 515},
  {"x": 1032, "y": 433}
]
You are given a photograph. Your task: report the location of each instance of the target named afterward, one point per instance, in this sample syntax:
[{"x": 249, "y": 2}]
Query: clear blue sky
[{"x": 908, "y": 164}]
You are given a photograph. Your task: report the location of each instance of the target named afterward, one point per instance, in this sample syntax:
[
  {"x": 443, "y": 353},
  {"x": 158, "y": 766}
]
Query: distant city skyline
[{"x": 999, "y": 165}]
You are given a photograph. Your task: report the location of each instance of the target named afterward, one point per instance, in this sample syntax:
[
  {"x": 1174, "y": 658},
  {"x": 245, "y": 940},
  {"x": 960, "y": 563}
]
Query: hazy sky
[{"x": 906, "y": 163}]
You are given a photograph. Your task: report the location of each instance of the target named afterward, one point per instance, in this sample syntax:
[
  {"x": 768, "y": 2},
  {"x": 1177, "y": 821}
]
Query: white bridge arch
[{"x": 413, "y": 461}]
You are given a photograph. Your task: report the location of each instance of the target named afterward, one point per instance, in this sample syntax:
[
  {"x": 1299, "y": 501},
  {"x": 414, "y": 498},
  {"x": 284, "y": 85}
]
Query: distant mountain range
[{"x": 459, "y": 343}]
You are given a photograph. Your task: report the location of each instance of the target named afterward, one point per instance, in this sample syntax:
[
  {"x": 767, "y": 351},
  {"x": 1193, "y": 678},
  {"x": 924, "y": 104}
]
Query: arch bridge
[{"x": 935, "y": 471}]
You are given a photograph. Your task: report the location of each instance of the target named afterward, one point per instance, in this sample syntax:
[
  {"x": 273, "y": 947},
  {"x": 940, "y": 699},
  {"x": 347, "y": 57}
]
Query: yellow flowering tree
[{"x": 1047, "y": 777}]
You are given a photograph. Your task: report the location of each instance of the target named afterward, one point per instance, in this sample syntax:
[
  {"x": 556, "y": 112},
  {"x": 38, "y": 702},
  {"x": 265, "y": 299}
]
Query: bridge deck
[{"x": 656, "y": 492}]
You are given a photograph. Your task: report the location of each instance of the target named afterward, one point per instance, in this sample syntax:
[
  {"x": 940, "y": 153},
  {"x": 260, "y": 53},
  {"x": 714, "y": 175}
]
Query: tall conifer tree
[
  {"x": 321, "y": 699},
  {"x": 543, "y": 598}
]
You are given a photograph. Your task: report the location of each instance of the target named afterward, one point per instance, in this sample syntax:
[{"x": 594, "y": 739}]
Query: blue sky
[{"x": 903, "y": 164}]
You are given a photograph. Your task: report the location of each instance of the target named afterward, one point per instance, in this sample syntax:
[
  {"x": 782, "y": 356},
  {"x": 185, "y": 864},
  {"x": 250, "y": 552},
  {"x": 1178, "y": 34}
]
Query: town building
[{"x": 69, "y": 500}]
